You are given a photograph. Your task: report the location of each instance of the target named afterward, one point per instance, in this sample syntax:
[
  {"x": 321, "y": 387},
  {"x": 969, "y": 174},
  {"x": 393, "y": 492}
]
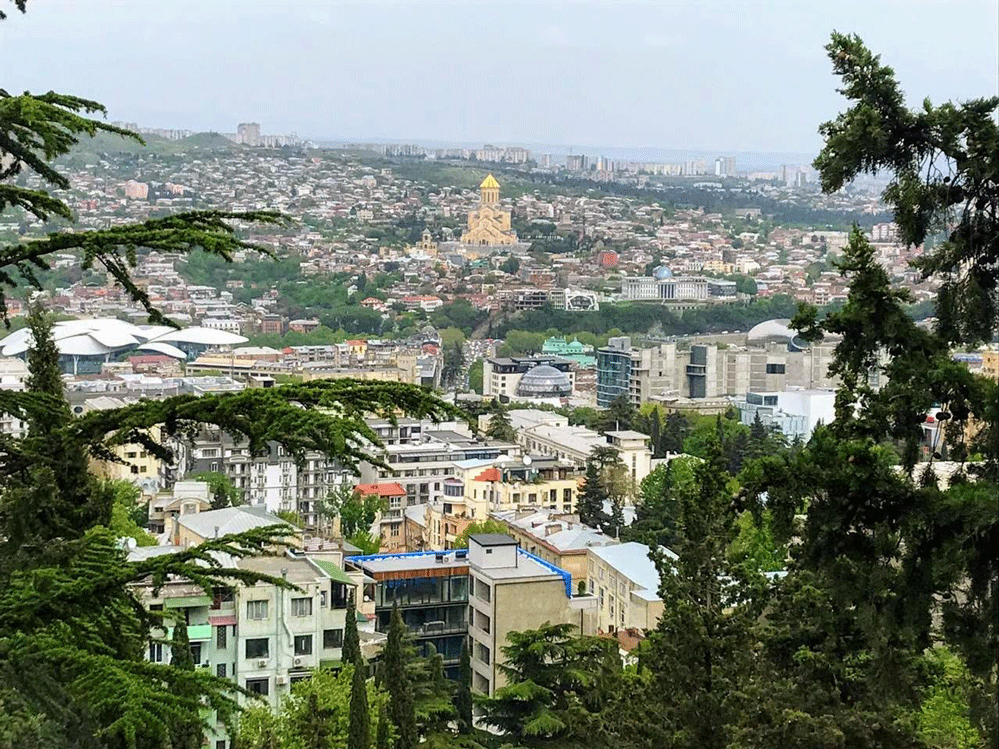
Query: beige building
[
  {"x": 511, "y": 591},
  {"x": 489, "y": 224},
  {"x": 990, "y": 364},
  {"x": 626, "y": 585},
  {"x": 135, "y": 464},
  {"x": 480, "y": 487},
  {"x": 557, "y": 539},
  {"x": 184, "y": 498}
]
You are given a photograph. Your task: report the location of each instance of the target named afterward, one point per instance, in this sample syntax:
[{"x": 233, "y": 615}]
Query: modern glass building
[
  {"x": 431, "y": 590},
  {"x": 613, "y": 370}
]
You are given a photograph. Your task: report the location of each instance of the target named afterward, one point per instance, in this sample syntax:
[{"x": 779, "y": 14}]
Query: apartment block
[
  {"x": 626, "y": 585},
  {"x": 263, "y": 637},
  {"x": 431, "y": 591},
  {"x": 511, "y": 591}
]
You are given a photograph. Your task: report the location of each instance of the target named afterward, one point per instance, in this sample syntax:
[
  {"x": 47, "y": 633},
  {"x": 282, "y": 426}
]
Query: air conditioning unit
[
  {"x": 298, "y": 661},
  {"x": 281, "y": 679},
  {"x": 261, "y": 663}
]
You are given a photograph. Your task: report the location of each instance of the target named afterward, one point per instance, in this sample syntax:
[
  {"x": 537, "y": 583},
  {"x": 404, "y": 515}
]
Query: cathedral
[{"x": 489, "y": 224}]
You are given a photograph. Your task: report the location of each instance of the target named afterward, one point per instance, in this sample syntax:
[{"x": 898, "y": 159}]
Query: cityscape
[{"x": 313, "y": 441}]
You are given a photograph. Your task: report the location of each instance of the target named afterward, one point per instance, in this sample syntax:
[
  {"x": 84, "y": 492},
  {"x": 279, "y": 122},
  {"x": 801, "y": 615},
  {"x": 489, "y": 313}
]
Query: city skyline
[{"x": 501, "y": 73}]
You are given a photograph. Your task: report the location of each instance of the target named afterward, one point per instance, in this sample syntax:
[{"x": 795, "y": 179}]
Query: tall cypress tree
[
  {"x": 590, "y": 502},
  {"x": 187, "y": 732},
  {"x": 382, "y": 736},
  {"x": 463, "y": 697},
  {"x": 402, "y": 703},
  {"x": 351, "y": 650},
  {"x": 655, "y": 433},
  {"x": 359, "y": 728}
]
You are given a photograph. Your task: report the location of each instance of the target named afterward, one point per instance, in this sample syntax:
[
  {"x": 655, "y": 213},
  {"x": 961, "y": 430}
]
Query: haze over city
[{"x": 673, "y": 75}]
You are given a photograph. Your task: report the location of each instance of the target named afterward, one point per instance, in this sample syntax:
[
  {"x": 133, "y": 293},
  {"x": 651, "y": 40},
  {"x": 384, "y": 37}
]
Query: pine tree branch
[{"x": 115, "y": 248}]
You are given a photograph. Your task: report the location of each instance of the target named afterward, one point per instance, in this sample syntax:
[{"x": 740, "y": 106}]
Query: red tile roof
[
  {"x": 490, "y": 474},
  {"x": 390, "y": 489}
]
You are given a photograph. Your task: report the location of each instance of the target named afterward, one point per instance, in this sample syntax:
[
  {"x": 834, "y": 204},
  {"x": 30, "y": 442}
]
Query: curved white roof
[
  {"x": 771, "y": 329},
  {"x": 162, "y": 348},
  {"x": 82, "y": 345},
  {"x": 203, "y": 336},
  {"x": 103, "y": 336}
]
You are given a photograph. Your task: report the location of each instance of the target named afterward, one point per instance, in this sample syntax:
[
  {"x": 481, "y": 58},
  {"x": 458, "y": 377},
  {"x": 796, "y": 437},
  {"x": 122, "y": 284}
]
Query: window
[
  {"x": 301, "y": 606},
  {"x": 258, "y": 648},
  {"x": 258, "y": 686},
  {"x": 332, "y": 638},
  {"x": 303, "y": 644},
  {"x": 482, "y": 653},
  {"x": 775, "y": 369},
  {"x": 220, "y": 670},
  {"x": 156, "y": 652},
  {"x": 220, "y": 637},
  {"x": 256, "y": 609}
]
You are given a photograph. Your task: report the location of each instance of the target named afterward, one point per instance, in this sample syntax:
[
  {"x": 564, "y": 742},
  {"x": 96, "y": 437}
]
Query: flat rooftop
[{"x": 414, "y": 564}]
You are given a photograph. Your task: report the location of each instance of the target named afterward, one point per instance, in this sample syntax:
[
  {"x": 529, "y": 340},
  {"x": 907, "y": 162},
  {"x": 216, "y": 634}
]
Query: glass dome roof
[
  {"x": 662, "y": 273},
  {"x": 544, "y": 381}
]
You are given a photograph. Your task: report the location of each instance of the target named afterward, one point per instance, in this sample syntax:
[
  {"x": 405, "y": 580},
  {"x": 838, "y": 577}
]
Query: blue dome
[{"x": 662, "y": 273}]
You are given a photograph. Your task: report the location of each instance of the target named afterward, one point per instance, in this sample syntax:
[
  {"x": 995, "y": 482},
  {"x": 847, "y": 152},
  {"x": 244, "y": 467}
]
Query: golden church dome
[{"x": 489, "y": 182}]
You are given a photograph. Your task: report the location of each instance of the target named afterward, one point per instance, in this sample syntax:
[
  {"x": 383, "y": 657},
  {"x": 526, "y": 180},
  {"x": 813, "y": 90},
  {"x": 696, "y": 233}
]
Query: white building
[
  {"x": 13, "y": 375},
  {"x": 795, "y": 412}
]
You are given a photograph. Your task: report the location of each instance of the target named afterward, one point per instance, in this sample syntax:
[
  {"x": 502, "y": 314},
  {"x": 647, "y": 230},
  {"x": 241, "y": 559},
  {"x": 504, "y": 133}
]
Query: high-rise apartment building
[{"x": 249, "y": 133}]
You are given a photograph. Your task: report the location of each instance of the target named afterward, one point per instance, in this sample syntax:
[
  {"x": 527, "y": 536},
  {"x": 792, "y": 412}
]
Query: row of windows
[
  {"x": 259, "y": 647},
  {"x": 299, "y": 607}
]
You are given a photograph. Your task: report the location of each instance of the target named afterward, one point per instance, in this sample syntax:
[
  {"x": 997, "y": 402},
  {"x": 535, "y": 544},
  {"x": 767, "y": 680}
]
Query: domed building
[
  {"x": 544, "y": 381},
  {"x": 489, "y": 224},
  {"x": 662, "y": 273},
  {"x": 775, "y": 331}
]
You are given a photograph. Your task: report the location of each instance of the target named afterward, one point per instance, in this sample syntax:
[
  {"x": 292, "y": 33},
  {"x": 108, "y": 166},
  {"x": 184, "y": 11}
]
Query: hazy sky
[{"x": 739, "y": 75}]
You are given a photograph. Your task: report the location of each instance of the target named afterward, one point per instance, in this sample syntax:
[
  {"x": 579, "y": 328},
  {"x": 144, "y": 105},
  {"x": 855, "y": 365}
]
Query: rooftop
[{"x": 632, "y": 560}]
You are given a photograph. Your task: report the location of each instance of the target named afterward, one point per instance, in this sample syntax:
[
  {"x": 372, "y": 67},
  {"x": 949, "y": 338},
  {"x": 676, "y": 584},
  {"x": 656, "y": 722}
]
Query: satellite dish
[{"x": 526, "y": 460}]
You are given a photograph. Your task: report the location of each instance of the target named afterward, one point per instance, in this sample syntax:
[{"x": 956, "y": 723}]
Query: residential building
[
  {"x": 547, "y": 433},
  {"x": 191, "y": 529},
  {"x": 510, "y": 591},
  {"x": 183, "y": 498},
  {"x": 262, "y": 637},
  {"x": 558, "y": 539},
  {"x": 626, "y": 584},
  {"x": 431, "y": 591},
  {"x": 13, "y": 376}
]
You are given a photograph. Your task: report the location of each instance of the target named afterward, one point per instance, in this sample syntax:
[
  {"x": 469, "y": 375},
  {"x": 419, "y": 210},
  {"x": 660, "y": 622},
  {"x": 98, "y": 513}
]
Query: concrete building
[
  {"x": 183, "y": 498},
  {"x": 501, "y": 376},
  {"x": 13, "y": 375},
  {"x": 510, "y": 591},
  {"x": 626, "y": 585},
  {"x": 191, "y": 529},
  {"x": 263, "y": 637},
  {"x": 772, "y": 359},
  {"x": 248, "y": 133},
  {"x": 547, "y": 433},
  {"x": 555, "y": 538},
  {"x": 795, "y": 412}
]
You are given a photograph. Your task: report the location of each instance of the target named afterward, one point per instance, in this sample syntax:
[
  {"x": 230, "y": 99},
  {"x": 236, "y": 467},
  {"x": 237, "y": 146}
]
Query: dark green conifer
[{"x": 359, "y": 727}]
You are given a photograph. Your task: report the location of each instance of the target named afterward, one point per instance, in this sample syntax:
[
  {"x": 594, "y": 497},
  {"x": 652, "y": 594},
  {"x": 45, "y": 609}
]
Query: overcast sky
[{"x": 740, "y": 75}]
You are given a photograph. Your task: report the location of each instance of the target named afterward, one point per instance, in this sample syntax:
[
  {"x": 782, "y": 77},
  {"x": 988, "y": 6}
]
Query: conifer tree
[
  {"x": 382, "y": 740},
  {"x": 186, "y": 734},
  {"x": 590, "y": 501},
  {"x": 699, "y": 654},
  {"x": 463, "y": 696},
  {"x": 351, "y": 649},
  {"x": 395, "y": 664},
  {"x": 359, "y": 728},
  {"x": 500, "y": 428}
]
